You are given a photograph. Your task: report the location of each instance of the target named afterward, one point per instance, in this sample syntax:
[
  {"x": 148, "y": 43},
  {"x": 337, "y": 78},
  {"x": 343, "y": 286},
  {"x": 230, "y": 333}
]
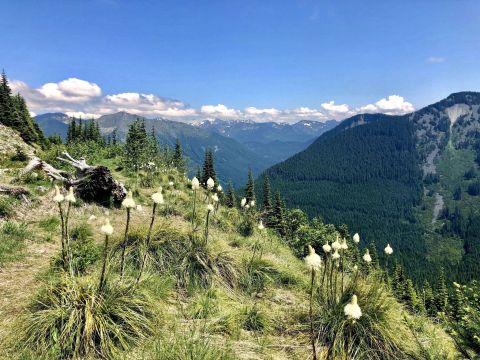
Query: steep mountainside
[
  {"x": 399, "y": 178},
  {"x": 53, "y": 124},
  {"x": 275, "y": 142}
]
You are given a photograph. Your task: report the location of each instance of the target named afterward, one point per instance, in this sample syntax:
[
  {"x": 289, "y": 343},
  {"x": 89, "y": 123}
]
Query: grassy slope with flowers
[{"x": 258, "y": 308}]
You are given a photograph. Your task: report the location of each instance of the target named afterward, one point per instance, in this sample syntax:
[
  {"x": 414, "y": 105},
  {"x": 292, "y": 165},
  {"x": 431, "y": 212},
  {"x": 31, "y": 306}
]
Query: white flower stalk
[
  {"x": 58, "y": 198},
  {"x": 352, "y": 310},
  {"x": 195, "y": 184},
  {"x": 106, "y": 228},
  {"x": 243, "y": 202},
  {"x": 219, "y": 188},
  {"x": 139, "y": 208},
  {"x": 356, "y": 238},
  {"x": 366, "y": 257},
  {"x": 252, "y": 203},
  {"x": 210, "y": 208},
  {"x": 157, "y": 198},
  {"x": 210, "y": 183},
  {"x": 336, "y": 255},
  {"x": 215, "y": 198},
  {"x": 70, "y": 196},
  {"x": 336, "y": 244},
  {"x": 128, "y": 202},
  {"x": 313, "y": 260},
  {"x": 355, "y": 268},
  {"x": 170, "y": 183},
  {"x": 261, "y": 226},
  {"x": 247, "y": 206},
  {"x": 326, "y": 247},
  {"x": 388, "y": 250},
  {"x": 344, "y": 245}
]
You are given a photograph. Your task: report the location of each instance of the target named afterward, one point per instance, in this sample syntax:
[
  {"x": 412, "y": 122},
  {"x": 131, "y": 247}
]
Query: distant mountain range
[
  {"x": 238, "y": 145},
  {"x": 411, "y": 181}
]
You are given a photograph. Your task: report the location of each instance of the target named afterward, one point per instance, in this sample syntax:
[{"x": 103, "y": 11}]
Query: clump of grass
[
  {"x": 12, "y": 241},
  {"x": 84, "y": 251},
  {"x": 204, "y": 305},
  {"x": 192, "y": 343},
  {"x": 252, "y": 318},
  {"x": 73, "y": 318},
  {"x": 6, "y": 207},
  {"x": 380, "y": 332},
  {"x": 49, "y": 224}
]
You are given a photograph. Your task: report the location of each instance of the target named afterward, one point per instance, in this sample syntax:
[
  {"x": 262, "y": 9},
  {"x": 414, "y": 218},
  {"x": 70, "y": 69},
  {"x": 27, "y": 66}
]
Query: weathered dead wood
[
  {"x": 18, "y": 192},
  {"x": 91, "y": 183}
]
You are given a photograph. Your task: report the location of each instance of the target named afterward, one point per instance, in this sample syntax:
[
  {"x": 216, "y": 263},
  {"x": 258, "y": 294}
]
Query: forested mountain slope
[{"x": 398, "y": 178}]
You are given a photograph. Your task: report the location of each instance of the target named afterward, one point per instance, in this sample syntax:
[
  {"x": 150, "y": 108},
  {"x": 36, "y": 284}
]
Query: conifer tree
[
  {"x": 410, "y": 296},
  {"x": 198, "y": 175},
  {"x": 6, "y": 106},
  {"x": 114, "y": 137},
  {"x": 373, "y": 253},
  {"x": 267, "y": 202},
  {"x": 208, "y": 168},
  {"x": 441, "y": 292},
  {"x": 250, "y": 187},
  {"x": 230, "y": 196},
  {"x": 135, "y": 146},
  {"x": 429, "y": 300},
  {"x": 178, "y": 160},
  {"x": 279, "y": 215}
]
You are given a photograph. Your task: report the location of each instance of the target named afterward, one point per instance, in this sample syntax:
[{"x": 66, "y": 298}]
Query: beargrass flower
[
  {"x": 247, "y": 206},
  {"x": 195, "y": 184},
  {"x": 210, "y": 183},
  {"x": 243, "y": 202},
  {"x": 219, "y": 188},
  {"x": 210, "y": 208},
  {"x": 107, "y": 228},
  {"x": 70, "y": 196},
  {"x": 313, "y": 261},
  {"x": 92, "y": 218},
  {"x": 356, "y": 238},
  {"x": 336, "y": 244},
  {"x": 366, "y": 257},
  {"x": 326, "y": 247},
  {"x": 128, "y": 202},
  {"x": 170, "y": 183},
  {"x": 58, "y": 198},
  {"x": 336, "y": 255},
  {"x": 352, "y": 310},
  {"x": 215, "y": 198},
  {"x": 260, "y": 225},
  {"x": 157, "y": 198},
  {"x": 388, "y": 250},
  {"x": 344, "y": 245},
  {"x": 252, "y": 203}
]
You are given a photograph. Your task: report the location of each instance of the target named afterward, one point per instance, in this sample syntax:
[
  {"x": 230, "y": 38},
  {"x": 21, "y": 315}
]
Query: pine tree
[
  {"x": 410, "y": 296},
  {"x": 441, "y": 292},
  {"x": 6, "y": 106},
  {"x": 279, "y": 215},
  {"x": 429, "y": 300},
  {"x": 199, "y": 174},
  {"x": 136, "y": 145},
  {"x": 373, "y": 253},
  {"x": 250, "y": 187},
  {"x": 230, "y": 196},
  {"x": 267, "y": 202},
  {"x": 178, "y": 160},
  {"x": 208, "y": 168},
  {"x": 114, "y": 137}
]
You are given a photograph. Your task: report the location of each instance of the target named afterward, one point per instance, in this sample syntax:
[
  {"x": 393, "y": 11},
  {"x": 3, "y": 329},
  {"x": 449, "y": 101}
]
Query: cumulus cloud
[
  {"x": 77, "y": 97},
  {"x": 393, "y": 105}
]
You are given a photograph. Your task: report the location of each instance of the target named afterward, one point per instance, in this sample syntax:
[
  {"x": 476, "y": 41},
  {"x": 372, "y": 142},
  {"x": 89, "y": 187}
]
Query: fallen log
[{"x": 91, "y": 183}]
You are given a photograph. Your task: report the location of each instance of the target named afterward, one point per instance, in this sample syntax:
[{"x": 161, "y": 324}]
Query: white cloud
[
  {"x": 436, "y": 59},
  {"x": 81, "y": 114},
  {"x": 77, "y": 97},
  {"x": 393, "y": 105},
  {"x": 219, "y": 110}
]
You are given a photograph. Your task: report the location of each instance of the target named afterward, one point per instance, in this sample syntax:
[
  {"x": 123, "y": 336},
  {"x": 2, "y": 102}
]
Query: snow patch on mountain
[{"x": 455, "y": 111}]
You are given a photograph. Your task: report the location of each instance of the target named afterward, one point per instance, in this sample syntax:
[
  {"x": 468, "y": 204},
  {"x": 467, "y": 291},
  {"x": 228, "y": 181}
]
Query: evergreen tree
[
  {"x": 230, "y": 199},
  {"x": 178, "y": 160},
  {"x": 410, "y": 296},
  {"x": 250, "y": 187},
  {"x": 441, "y": 292},
  {"x": 279, "y": 215},
  {"x": 152, "y": 148},
  {"x": 199, "y": 174},
  {"x": 429, "y": 300},
  {"x": 208, "y": 168},
  {"x": 373, "y": 253},
  {"x": 267, "y": 202},
  {"x": 136, "y": 146},
  {"x": 114, "y": 137},
  {"x": 6, "y": 106}
]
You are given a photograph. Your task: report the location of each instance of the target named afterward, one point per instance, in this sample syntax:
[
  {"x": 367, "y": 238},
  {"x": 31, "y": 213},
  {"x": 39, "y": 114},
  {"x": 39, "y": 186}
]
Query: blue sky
[{"x": 264, "y": 55}]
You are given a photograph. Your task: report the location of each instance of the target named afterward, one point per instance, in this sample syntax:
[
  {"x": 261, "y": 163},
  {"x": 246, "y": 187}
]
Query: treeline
[{"x": 14, "y": 114}]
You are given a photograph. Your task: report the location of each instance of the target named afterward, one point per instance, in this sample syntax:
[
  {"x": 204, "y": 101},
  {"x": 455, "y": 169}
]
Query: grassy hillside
[{"x": 234, "y": 292}]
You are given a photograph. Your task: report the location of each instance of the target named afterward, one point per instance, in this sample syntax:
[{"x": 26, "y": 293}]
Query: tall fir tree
[
  {"x": 267, "y": 202},
  {"x": 208, "y": 168},
  {"x": 250, "y": 187},
  {"x": 429, "y": 299},
  {"x": 136, "y": 145},
  {"x": 441, "y": 292},
  {"x": 279, "y": 215},
  {"x": 114, "y": 137},
  {"x": 230, "y": 200},
  {"x": 6, "y": 105},
  {"x": 178, "y": 160}
]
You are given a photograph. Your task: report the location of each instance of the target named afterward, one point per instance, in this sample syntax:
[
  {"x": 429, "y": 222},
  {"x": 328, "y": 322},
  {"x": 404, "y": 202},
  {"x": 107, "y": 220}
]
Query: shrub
[
  {"x": 20, "y": 154},
  {"x": 380, "y": 333},
  {"x": 71, "y": 317},
  {"x": 6, "y": 207},
  {"x": 247, "y": 225}
]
